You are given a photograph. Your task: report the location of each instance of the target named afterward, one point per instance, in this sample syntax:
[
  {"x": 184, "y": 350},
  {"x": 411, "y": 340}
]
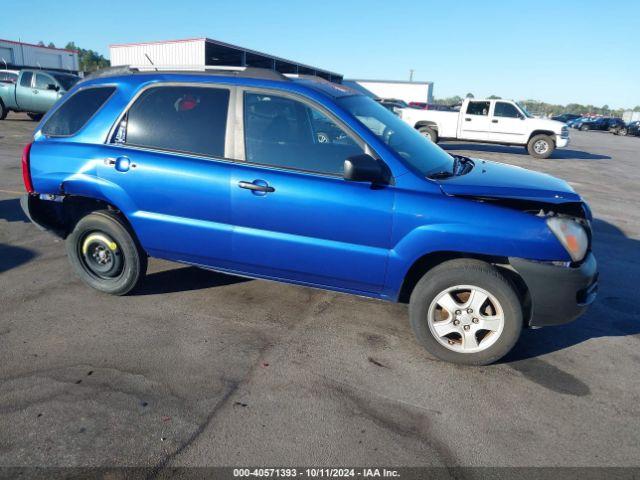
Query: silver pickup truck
[{"x": 32, "y": 91}]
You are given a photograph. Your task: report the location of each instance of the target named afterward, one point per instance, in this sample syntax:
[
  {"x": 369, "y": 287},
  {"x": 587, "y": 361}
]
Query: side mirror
[
  {"x": 51, "y": 86},
  {"x": 364, "y": 168}
]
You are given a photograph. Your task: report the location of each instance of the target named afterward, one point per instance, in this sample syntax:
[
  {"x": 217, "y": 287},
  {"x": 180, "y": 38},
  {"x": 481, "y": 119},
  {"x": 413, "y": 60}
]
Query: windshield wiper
[{"x": 441, "y": 174}]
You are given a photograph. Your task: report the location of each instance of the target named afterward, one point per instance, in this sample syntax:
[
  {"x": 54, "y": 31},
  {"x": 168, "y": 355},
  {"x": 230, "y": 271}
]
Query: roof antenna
[{"x": 150, "y": 61}]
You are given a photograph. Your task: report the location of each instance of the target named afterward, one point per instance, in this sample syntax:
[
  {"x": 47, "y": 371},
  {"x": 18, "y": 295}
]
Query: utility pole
[{"x": 411, "y": 75}]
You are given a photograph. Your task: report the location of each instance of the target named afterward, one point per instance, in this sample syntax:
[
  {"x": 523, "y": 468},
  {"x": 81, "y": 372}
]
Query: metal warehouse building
[
  {"x": 26, "y": 55},
  {"x": 201, "y": 52},
  {"x": 407, "y": 91}
]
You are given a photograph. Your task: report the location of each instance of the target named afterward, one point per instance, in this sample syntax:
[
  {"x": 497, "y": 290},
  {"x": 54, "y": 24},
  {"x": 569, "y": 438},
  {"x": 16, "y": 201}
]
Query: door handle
[
  {"x": 467, "y": 119},
  {"x": 257, "y": 187},
  {"x": 494, "y": 121}
]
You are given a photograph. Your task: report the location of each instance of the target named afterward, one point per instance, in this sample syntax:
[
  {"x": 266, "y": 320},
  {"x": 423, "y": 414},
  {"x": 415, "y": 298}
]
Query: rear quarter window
[{"x": 74, "y": 113}]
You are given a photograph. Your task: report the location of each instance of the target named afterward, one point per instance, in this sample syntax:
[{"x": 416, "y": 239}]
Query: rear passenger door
[
  {"x": 475, "y": 124},
  {"x": 166, "y": 158},
  {"x": 24, "y": 92},
  {"x": 295, "y": 218}
]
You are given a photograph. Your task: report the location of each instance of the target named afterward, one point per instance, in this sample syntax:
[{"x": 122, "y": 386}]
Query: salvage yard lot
[{"x": 200, "y": 368}]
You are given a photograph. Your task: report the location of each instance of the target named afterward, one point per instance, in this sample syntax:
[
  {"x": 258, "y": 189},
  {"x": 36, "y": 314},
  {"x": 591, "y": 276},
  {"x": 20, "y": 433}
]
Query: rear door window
[
  {"x": 478, "y": 108},
  {"x": 178, "y": 118},
  {"x": 76, "y": 111}
]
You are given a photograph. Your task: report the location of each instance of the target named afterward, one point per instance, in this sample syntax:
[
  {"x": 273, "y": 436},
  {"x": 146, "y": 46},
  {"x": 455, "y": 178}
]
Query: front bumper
[
  {"x": 561, "y": 142},
  {"x": 558, "y": 294}
]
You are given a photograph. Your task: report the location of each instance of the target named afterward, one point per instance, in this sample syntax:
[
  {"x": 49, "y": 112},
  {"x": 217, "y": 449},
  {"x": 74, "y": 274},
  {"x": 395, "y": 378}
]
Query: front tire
[
  {"x": 3, "y": 111},
  {"x": 622, "y": 132},
  {"x": 105, "y": 254},
  {"x": 541, "y": 146},
  {"x": 466, "y": 312},
  {"x": 583, "y": 128},
  {"x": 36, "y": 117},
  {"x": 430, "y": 133}
]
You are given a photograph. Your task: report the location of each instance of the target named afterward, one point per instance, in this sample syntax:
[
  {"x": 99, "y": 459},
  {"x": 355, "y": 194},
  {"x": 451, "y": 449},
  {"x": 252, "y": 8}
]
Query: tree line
[
  {"x": 89, "y": 60},
  {"x": 548, "y": 109}
]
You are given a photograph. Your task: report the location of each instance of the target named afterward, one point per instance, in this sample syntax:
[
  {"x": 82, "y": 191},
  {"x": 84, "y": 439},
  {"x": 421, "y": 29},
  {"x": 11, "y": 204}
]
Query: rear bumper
[{"x": 558, "y": 294}]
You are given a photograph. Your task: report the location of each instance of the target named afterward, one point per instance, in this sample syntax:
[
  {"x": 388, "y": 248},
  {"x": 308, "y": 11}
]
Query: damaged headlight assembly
[{"x": 571, "y": 235}]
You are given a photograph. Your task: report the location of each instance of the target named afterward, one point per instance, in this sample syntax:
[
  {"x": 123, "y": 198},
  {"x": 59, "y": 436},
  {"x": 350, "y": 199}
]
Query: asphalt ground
[{"x": 204, "y": 369}]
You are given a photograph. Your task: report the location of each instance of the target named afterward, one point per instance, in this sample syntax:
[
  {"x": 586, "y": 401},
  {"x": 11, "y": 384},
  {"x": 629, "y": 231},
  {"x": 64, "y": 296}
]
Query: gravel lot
[{"x": 200, "y": 368}]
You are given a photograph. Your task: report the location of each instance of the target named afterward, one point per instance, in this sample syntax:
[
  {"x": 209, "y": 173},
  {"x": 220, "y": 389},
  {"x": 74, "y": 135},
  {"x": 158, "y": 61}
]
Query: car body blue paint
[{"x": 315, "y": 230}]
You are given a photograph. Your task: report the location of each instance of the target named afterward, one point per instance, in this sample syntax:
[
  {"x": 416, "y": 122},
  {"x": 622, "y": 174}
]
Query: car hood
[
  {"x": 546, "y": 124},
  {"x": 496, "y": 180}
]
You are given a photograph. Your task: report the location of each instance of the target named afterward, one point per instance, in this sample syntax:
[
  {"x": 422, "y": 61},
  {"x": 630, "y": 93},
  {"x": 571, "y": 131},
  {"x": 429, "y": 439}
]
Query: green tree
[
  {"x": 51, "y": 45},
  {"x": 89, "y": 60},
  {"x": 41, "y": 43},
  {"x": 494, "y": 97},
  {"x": 469, "y": 95}
]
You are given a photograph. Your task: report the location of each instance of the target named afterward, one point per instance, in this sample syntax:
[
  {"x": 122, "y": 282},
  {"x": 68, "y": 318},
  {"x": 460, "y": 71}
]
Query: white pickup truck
[{"x": 491, "y": 121}]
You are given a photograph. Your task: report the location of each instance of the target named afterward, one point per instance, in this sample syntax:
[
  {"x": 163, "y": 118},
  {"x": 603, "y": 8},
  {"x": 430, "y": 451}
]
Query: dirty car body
[{"x": 377, "y": 211}]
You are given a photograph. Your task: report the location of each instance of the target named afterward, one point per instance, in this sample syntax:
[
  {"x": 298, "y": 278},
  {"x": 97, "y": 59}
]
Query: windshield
[
  {"x": 66, "y": 81},
  {"x": 422, "y": 154},
  {"x": 524, "y": 110}
]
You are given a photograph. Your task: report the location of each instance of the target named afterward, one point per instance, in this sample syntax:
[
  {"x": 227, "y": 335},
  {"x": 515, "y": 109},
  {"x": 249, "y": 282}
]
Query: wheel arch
[
  {"x": 426, "y": 123},
  {"x": 61, "y": 214},
  {"x": 542, "y": 132},
  {"x": 431, "y": 260}
]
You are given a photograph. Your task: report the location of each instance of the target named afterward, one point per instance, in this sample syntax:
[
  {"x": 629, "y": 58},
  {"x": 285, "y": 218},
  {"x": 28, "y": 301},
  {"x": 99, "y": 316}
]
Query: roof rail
[{"x": 244, "y": 72}]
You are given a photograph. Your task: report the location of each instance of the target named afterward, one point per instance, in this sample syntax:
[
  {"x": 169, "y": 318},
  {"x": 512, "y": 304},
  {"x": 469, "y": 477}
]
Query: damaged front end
[{"x": 559, "y": 291}]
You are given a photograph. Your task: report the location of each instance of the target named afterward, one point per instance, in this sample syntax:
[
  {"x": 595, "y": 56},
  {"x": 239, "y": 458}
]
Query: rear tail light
[{"x": 26, "y": 170}]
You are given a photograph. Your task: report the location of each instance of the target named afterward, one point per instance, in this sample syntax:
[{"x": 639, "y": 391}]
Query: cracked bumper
[{"x": 558, "y": 294}]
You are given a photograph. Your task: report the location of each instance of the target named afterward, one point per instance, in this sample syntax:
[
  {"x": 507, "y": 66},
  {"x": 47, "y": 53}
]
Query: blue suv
[{"x": 305, "y": 181}]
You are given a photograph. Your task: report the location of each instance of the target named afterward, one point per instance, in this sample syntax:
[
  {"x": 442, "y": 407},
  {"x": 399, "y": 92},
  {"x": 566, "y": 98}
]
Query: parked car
[
  {"x": 600, "y": 123},
  {"x": 9, "y": 76},
  {"x": 392, "y": 104},
  {"x": 574, "y": 123},
  {"x": 491, "y": 121},
  {"x": 430, "y": 106},
  {"x": 34, "y": 92},
  {"x": 224, "y": 171},
  {"x": 614, "y": 124},
  {"x": 632, "y": 128},
  {"x": 565, "y": 117}
]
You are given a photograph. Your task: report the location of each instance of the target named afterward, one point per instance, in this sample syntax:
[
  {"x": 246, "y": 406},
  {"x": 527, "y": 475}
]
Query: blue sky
[{"x": 556, "y": 51}]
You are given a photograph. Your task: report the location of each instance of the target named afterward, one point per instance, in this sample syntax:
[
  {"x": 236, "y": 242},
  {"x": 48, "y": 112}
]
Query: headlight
[
  {"x": 564, "y": 133},
  {"x": 571, "y": 235}
]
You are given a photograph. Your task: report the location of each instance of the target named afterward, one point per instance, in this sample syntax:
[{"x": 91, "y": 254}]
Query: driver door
[
  {"x": 508, "y": 125},
  {"x": 44, "y": 98}
]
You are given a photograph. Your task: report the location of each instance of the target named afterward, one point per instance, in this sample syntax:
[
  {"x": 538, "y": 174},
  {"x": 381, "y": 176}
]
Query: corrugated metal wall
[
  {"x": 630, "y": 116},
  {"x": 409, "y": 92},
  {"x": 189, "y": 53},
  {"x": 32, "y": 56}
]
